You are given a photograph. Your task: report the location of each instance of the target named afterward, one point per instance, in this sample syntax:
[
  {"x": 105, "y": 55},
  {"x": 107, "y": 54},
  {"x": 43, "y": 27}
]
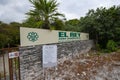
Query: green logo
[{"x": 32, "y": 36}]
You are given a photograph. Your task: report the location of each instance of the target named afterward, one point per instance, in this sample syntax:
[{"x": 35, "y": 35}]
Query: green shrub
[
  {"x": 111, "y": 46},
  {"x": 98, "y": 47},
  {"x": 106, "y": 51}
]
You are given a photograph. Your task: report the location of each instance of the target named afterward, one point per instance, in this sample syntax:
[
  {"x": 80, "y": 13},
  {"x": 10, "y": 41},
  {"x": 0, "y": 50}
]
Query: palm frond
[{"x": 44, "y": 9}]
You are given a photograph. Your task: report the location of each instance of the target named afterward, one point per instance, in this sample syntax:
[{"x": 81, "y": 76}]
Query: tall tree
[
  {"x": 32, "y": 22},
  {"x": 102, "y": 24},
  {"x": 45, "y": 11},
  {"x": 72, "y": 25},
  {"x": 9, "y": 34}
]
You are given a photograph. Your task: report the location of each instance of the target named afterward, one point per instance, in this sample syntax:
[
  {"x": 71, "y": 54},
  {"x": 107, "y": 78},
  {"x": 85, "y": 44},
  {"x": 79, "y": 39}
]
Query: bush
[
  {"x": 98, "y": 47},
  {"x": 106, "y": 51},
  {"x": 111, "y": 46}
]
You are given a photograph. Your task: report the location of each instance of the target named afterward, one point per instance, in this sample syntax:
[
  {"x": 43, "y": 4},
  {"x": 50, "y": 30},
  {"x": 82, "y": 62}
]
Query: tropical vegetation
[
  {"x": 44, "y": 12},
  {"x": 102, "y": 24}
]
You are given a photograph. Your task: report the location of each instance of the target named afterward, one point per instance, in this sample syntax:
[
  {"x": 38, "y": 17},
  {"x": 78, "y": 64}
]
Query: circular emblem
[{"x": 33, "y": 36}]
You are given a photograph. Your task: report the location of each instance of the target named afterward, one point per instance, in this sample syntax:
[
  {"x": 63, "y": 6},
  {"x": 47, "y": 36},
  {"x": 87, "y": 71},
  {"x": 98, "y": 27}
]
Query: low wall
[{"x": 31, "y": 56}]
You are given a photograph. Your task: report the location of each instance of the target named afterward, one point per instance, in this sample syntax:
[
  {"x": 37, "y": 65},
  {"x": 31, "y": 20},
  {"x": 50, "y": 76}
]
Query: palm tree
[{"x": 45, "y": 11}]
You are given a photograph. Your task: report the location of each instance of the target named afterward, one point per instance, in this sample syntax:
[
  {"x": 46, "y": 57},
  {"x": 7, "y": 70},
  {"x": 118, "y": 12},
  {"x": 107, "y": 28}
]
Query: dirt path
[{"x": 87, "y": 67}]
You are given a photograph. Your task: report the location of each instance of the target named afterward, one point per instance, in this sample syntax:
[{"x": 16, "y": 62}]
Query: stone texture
[{"x": 31, "y": 56}]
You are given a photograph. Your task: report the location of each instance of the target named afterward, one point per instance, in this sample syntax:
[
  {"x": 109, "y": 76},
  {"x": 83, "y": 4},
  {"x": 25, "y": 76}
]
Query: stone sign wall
[
  {"x": 33, "y": 36},
  {"x": 31, "y": 56}
]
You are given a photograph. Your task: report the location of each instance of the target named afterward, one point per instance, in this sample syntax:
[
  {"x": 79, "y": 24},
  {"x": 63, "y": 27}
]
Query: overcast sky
[{"x": 14, "y": 10}]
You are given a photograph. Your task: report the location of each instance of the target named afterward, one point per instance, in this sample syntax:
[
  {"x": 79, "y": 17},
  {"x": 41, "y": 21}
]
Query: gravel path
[{"x": 86, "y": 67}]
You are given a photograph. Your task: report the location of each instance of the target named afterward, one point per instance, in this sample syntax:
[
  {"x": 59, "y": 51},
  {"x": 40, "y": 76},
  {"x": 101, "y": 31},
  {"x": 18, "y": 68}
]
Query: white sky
[{"x": 14, "y": 10}]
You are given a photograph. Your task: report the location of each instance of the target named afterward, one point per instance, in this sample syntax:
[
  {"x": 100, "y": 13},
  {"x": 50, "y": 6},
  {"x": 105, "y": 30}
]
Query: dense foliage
[
  {"x": 111, "y": 46},
  {"x": 72, "y": 25},
  {"x": 102, "y": 24},
  {"x": 9, "y": 34}
]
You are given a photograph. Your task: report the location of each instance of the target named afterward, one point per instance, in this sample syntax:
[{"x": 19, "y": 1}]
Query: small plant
[
  {"x": 111, "y": 46},
  {"x": 106, "y": 51},
  {"x": 98, "y": 47},
  {"x": 118, "y": 50}
]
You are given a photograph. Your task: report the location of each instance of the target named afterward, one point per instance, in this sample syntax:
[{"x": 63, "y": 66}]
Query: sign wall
[{"x": 33, "y": 36}]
